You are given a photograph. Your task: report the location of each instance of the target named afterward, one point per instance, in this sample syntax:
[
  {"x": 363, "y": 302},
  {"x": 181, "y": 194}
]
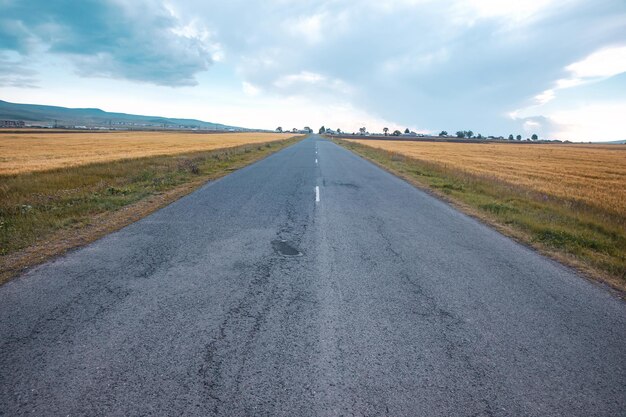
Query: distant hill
[{"x": 50, "y": 116}]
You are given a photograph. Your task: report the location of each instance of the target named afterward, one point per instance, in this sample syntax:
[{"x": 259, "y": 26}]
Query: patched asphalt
[{"x": 248, "y": 297}]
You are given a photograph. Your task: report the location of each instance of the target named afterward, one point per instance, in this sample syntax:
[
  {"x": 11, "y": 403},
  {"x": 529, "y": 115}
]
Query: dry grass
[
  {"x": 594, "y": 175},
  {"x": 567, "y": 201},
  {"x": 34, "y": 151}
]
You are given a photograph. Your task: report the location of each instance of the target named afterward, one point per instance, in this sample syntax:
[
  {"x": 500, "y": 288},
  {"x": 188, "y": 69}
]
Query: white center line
[
  {"x": 316, "y": 160},
  {"x": 317, "y": 194}
]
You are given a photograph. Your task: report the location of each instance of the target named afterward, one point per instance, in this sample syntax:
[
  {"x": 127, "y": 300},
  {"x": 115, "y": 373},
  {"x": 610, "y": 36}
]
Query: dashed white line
[
  {"x": 316, "y": 160},
  {"x": 317, "y": 194}
]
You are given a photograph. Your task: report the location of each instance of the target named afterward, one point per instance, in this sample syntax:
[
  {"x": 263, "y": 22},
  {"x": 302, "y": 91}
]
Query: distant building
[{"x": 12, "y": 123}]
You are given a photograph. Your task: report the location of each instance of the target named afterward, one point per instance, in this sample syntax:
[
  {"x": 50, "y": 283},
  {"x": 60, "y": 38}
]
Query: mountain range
[{"x": 54, "y": 116}]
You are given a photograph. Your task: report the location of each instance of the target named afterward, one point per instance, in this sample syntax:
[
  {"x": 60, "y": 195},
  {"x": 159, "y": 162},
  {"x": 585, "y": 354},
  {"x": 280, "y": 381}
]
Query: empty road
[{"x": 309, "y": 283}]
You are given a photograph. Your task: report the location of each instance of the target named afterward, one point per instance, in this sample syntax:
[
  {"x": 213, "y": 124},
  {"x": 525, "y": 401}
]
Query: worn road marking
[
  {"x": 316, "y": 160},
  {"x": 317, "y": 194}
]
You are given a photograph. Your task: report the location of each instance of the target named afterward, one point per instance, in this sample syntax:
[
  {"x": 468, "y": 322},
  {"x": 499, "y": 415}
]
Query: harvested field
[
  {"x": 33, "y": 151},
  {"x": 594, "y": 175}
]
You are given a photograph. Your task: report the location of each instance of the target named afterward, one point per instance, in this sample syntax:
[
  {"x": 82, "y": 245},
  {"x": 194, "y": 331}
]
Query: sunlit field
[
  {"x": 591, "y": 174},
  {"x": 27, "y": 152}
]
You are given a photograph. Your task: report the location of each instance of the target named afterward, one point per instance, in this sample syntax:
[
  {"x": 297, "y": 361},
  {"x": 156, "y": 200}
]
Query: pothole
[{"x": 284, "y": 248}]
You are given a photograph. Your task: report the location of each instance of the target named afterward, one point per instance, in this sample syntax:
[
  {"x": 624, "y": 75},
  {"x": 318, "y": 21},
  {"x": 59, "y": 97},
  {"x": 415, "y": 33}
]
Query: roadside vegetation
[
  {"x": 568, "y": 201},
  {"x": 44, "y": 213}
]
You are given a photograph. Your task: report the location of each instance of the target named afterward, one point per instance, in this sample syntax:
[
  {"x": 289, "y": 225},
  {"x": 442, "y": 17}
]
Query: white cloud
[
  {"x": 413, "y": 63},
  {"x": 511, "y": 9},
  {"x": 308, "y": 27},
  {"x": 311, "y": 83},
  {"x": 601, "y": 121},
  {"x": 305, "y": 77},
  {"x": 545, "y": 97},
  {"x": 249, "y": 89},
  {"x": 14, "y": 73},
  {"x": 605, "y": 63},
  {"x": 531, "y": 126},
  {"x": 196, "y": 31},
  {"x": 568, "y": 83}
]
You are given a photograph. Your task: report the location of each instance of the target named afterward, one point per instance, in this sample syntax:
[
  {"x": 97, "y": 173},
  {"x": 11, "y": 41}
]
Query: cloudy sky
[{"x": 552, "y": 67}]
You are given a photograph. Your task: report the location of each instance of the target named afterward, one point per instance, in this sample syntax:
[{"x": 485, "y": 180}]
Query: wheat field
[
  {"x": 592, "y": 174},
  {"x": 34, "y": 151}
]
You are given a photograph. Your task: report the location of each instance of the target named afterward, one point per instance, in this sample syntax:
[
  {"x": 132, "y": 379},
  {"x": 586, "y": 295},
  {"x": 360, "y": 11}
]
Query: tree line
[{"x": 461, "y": 134}]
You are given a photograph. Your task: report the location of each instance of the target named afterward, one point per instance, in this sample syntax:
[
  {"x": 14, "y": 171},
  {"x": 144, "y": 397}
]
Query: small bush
[
  {"x": 188, "y": 165},
  {"x": 562, "y": 239},
  {"x": 397, "y": 157},
  {"x": 449, "y": 187},
  {"x": 118, "y": 191},
  {"x": 499, "y": 208}
]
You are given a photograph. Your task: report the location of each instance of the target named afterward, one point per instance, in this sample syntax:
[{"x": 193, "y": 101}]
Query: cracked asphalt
[{"x": 394, "y": 304}]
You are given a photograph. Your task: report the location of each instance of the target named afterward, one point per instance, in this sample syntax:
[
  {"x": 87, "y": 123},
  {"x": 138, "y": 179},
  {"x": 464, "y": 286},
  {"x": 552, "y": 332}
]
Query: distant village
[{"x": 12, "y": 123}]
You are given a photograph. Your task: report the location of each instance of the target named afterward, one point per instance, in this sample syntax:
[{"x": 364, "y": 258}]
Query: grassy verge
[
  {"x": 587, "y": 238},
  {"x": 43, "y": 214}
]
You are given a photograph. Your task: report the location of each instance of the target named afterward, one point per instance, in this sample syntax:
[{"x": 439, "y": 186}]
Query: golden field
[
  {"x": 34, "y": 151},
  {"x": 591, "y": 174}
]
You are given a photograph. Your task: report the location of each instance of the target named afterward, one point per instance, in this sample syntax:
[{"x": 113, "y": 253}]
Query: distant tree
[
  {"x": 479, "y": 136},
  {"x": 294, "y": 130},
  {"x": 279, "y": 129},
  {"x": 534, "y": 136},
  {"x": 397, "y": 133},
  {"x": 308, "y": 129},
  {"x": 322, "y": 130},
  {"x": 460, "y": 134},
  {"x": 338, "y": 130},
  {"x": 385, "y": 129},
  {"x": 407, "y": 130},
  {"x": 443, "y": 133},
  {"x": 362, "y": 130},
  {"x": 518, "y": 137},
  {"x": 469, "y": 134},
  {"x": 511, "y": 137}
]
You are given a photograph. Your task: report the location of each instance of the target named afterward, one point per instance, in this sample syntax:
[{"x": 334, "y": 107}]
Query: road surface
[{"x": 309, "y": 283}]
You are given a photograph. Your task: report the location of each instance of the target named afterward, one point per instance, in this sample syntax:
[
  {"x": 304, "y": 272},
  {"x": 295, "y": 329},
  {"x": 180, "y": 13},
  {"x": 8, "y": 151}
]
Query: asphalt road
[{"x": 249, "y": 297}]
